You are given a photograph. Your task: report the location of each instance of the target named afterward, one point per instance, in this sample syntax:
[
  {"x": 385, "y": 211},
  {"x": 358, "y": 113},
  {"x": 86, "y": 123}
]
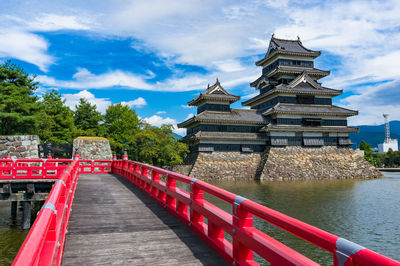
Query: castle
[{"x": 292, "y": 117}]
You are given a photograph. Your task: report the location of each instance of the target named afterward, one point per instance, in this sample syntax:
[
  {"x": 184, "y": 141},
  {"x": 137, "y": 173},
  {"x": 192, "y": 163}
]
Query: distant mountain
[{"x": 375, "y": 134}]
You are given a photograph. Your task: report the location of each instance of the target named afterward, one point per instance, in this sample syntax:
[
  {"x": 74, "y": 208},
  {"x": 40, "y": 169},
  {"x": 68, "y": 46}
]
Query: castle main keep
[{"x": 292, "y": 117}]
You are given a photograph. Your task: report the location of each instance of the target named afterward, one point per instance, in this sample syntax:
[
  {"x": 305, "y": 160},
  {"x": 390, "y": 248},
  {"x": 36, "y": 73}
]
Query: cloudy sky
[{"x": 156, "y": 55}]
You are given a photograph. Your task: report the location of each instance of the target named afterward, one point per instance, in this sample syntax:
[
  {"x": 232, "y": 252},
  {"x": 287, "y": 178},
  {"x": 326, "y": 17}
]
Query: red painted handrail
[
  {"x": 246, "y": 239},
  {"x": 45, "y": 241},
  {"x": 95, "y": 166},
  {"x": 32, "y": 168}
]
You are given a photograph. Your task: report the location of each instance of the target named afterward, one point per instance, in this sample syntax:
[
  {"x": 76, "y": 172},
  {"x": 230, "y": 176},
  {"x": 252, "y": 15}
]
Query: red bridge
[{"x": 122, "y": 215}]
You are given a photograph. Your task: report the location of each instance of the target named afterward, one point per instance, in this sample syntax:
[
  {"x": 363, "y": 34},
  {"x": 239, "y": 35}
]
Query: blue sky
[{"x": 156, "y": 55}]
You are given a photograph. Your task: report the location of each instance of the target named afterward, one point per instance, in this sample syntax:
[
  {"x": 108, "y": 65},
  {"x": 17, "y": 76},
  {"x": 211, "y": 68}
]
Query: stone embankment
[
  {"x": 286, "y": 163},
  {"x": 293, "y": 163},
  {"x": 92, "y": 148},
  {"x": 19, "y": 146}
]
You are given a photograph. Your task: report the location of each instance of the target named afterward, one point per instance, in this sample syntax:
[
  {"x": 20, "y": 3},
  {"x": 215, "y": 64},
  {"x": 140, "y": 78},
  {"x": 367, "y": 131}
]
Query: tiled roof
[
  {"x": 237, "y": 116},
  {"x": 215, "y": 92},
  {"x": 310, "y": 109},
  {"x": 304, "y": 88},
  {"x": 299, "y": 70},
  {"x": 280, "y": 46},
  {"x": 290, "y": 45}
]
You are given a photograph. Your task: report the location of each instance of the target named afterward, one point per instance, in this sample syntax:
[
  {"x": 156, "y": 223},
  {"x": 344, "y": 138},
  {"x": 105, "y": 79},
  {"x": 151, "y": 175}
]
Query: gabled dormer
[
  {"x": 304, "y": 80},
  {"x": 214, "y": 98}
]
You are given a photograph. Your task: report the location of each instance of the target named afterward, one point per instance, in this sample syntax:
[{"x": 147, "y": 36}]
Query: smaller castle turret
[{"x": 218, "y": 127}]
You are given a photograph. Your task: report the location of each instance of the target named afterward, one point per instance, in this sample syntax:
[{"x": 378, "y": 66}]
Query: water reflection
[{"x": 11, "y": 236}]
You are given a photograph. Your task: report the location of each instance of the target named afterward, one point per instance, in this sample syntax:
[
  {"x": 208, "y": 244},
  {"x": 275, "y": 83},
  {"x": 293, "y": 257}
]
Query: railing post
[
  {"x": 155, "y": 179},
  {"x": 171, "y": 185},
  {"x": 130, "y": 171},
  {"x": 143, "y": 174},
  {"x": 196, "y": 194},
  {"x": 136, "y": 172},
  {"x": 241, "y": 219}
]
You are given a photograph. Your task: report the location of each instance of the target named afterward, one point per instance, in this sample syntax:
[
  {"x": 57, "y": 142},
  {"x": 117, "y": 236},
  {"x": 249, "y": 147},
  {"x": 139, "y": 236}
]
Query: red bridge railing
[
  {"x": 45, "y": 241},
  {"x": 32, "y": 168}
]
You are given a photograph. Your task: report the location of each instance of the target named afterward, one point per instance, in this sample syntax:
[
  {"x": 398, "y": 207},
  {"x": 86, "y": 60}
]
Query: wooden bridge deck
[{"x": 113, "y": 222}]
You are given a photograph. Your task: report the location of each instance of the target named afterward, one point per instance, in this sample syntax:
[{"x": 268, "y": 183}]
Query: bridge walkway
[{"x": 113, "y": 222}]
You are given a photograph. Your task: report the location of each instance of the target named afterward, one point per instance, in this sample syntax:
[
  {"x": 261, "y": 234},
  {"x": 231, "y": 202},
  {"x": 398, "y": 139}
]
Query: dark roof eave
[
  {"x": 271, "y": 92},
  {"x": 229, "y": 98},
  {"x": 327, "y": 113},
  {"x": 313, "y": 54},
  {"x": 310, "y": 72}
]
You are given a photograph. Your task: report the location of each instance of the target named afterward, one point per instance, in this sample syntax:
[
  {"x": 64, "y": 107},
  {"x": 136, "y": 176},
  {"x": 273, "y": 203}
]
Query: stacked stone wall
[
  {"x": 294, "y": 163},
  {"x": 226, "y": 165},
  {"x": 286, "y": 163},
  {"x": 92, "y": 148},
  {"x": 19, "y": 146}
]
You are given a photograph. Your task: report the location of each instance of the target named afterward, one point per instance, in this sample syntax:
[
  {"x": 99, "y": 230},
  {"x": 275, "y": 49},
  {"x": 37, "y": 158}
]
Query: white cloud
[
  {"x": 189, "y": 116},
  {"x": 18, "y": 40},
  {"x": 25, "y": 46},
  {"x": 84, "y": 79},
  {"x": 187, "y": 106},
  {"x": 138, "y": 103},
  {"x": 157, "y": 121},
  {"x": 73, "y": 99},
  {"x": 54, "y": 22},
  {"x": 229, "y": 65},
  {"x": 161, "y": 112},
  {"x": 249, "y": 96},
  {"x": 373, "y": 101}
]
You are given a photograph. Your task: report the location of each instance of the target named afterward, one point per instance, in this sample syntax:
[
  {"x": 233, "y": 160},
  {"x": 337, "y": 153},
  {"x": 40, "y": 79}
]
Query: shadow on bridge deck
[{"x": 113, "y": 222}]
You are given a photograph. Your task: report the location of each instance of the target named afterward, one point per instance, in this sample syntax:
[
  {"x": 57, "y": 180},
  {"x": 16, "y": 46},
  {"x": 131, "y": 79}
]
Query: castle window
[
  {"x": 222, "y": 128},
  {"x": 311, "y": 122},
  {"x": 305, "y": 99}
]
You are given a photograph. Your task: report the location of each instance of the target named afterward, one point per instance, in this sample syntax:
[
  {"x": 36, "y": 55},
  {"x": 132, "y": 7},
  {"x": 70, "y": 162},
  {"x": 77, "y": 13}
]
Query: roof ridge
[{"x": 285, "y": 40}]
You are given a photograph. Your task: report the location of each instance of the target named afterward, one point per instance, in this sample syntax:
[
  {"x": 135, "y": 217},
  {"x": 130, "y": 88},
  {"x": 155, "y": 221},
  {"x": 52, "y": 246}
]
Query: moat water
[{"x": 364, "y": 211}]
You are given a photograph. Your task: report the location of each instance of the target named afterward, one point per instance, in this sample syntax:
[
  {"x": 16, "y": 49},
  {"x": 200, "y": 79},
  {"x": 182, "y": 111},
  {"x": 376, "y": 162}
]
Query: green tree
[
  {"x": 57, "y": 121},
  {"x": 365, "y": 146},
  {"x": 158, "y": 146},
  {"x": 120, "y": 126},
  {"x": 19, "y": 108},
  {"x": 87, "y": 118}
]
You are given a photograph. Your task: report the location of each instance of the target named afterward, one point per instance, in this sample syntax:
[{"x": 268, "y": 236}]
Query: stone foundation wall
[
  {"x": 181, "y": 169},
  {"x": 293, "y": 163},
  {"x": 226, "y": 165},
  {"x": 19, "y": 146},
  {"x": 92, "y": 148},
  {"x": 288, "y": 163}
]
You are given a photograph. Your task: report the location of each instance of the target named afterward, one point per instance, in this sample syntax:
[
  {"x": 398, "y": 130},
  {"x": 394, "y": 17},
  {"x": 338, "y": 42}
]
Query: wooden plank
[{"x": 113, "y": 222}]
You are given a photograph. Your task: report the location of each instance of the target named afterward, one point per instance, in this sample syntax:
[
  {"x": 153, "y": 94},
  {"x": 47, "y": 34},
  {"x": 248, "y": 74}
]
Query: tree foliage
[
  {"x": 19, "y": 108},
  {"x": 158, "y": 146},
  {"x": 57, "y": 121},
  {"x": 87, "y": 119},
  {"x": 386, "y": 159},
  {"x": 121, "y": 124}
]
